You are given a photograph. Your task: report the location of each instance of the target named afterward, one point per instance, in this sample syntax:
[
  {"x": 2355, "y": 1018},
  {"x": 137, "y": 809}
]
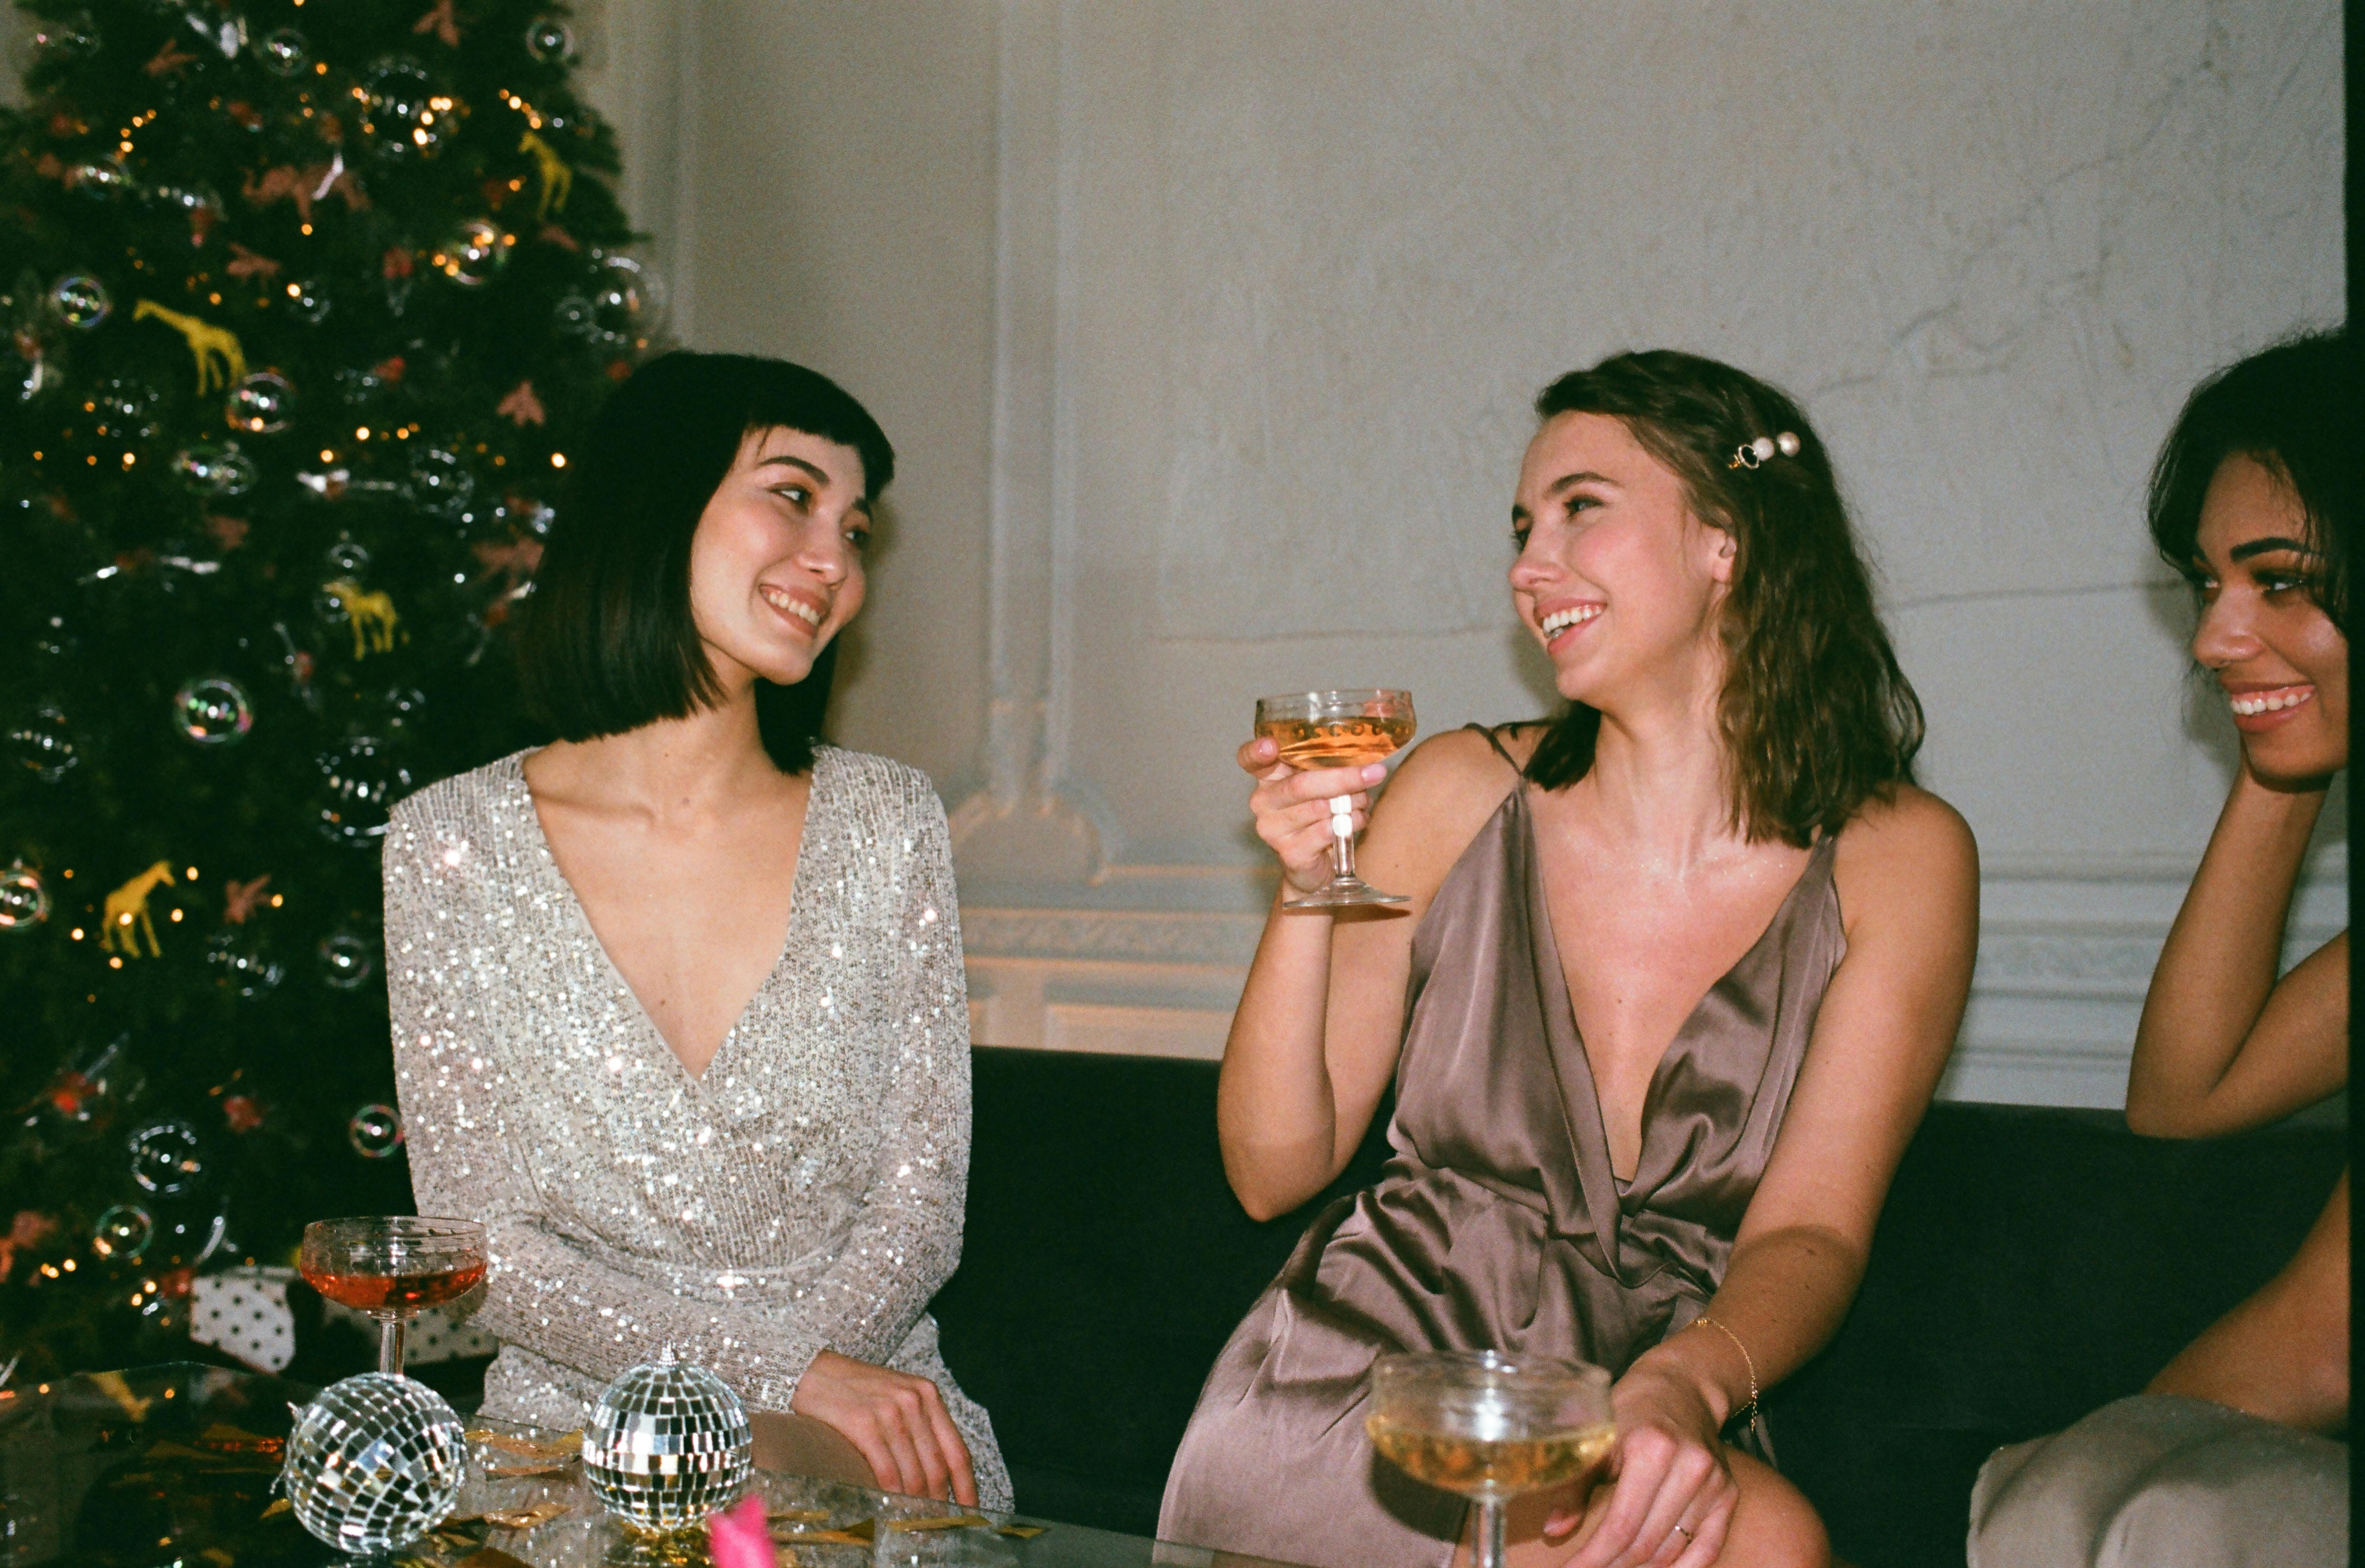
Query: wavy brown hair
[{"x": 1817, "y": 716}]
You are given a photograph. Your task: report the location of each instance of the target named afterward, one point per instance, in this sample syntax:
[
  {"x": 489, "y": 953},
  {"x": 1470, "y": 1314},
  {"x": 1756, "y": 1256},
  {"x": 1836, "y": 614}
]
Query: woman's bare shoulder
[
  {"x": 1440, "y": 795},
  {"x": 1905, "y": 845},
  {"x": 1459, "y": 770}
]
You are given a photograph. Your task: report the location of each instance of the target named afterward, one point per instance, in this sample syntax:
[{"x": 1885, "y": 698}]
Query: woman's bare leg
[
  {"x": 1774, "y": 1525},
  {"x": 799, "y": 1445}
]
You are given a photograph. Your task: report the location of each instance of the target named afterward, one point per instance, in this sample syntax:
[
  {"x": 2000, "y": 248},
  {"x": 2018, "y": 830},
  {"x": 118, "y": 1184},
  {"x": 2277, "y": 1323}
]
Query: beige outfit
[
  {"x": 805, "y": 1192},
  {"x": 2160, "y": 1481}
]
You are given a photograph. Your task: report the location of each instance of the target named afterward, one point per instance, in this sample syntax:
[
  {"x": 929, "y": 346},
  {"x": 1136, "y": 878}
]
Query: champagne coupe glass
[
  {"x": 1490, "y": 1427},
  {"x": 392, "y": 1266},
  {"x": 1338, "y": 729}
]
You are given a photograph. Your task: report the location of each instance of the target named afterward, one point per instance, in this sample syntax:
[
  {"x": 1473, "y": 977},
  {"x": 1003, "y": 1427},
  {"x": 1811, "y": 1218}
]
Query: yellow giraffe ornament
[
  {"x": 126, "y": 915},
  {"x": 372, "y": 614},
  {"x": 221, "y": 361},
  {"x": 557, "y": 179}
]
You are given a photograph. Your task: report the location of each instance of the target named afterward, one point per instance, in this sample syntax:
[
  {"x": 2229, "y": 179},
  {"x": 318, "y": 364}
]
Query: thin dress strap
[{"x": 1492, "y": 740}]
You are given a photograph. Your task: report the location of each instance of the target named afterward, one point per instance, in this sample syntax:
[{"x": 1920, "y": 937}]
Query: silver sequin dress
[{"x": 806, "y": 1191}]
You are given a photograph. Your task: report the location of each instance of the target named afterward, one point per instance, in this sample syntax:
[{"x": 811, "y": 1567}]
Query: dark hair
[
  {"x": 1816, "y": 714},
  {"x": 607, "y": 644},
  {"x": 2292, "y": 409}
]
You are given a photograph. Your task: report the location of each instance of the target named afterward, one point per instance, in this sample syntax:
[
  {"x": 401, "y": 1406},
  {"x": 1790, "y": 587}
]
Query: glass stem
[
  {"x": 389, "y": 1344},
  {"x": 1342, "y": 838},
  {"x": 1490, "y": 1535}
]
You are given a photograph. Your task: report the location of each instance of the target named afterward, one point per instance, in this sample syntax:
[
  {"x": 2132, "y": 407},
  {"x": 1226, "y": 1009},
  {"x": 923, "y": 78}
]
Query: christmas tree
[{"x": 306, "y": 302}]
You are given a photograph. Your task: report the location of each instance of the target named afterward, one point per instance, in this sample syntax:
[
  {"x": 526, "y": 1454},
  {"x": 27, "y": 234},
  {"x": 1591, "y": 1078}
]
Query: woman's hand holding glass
[
  {"x": 1293, "y": 808},
  {"x": 897, "y": 1422}
]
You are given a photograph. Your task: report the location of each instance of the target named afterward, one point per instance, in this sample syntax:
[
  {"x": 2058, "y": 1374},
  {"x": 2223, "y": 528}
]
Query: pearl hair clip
[{"x": 1752, "y": 453}]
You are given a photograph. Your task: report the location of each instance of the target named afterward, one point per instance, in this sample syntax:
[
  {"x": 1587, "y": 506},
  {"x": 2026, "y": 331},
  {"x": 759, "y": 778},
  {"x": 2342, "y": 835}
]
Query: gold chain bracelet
[{"x": 1750, "y": 1409}]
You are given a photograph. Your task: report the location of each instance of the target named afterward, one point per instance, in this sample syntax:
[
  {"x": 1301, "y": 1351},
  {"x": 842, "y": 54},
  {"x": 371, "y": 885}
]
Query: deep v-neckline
[
  {"x": 572, "y": 904},
  {"x": 1673, "y": 1050}
]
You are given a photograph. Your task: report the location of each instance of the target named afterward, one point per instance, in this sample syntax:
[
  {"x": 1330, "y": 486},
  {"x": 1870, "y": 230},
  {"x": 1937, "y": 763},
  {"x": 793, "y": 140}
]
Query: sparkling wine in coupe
[
  {"x": 1337, "y": 743},
  {"x": 391, "y": 1266},
  {"x": 1494, "y": 1468},
  {"x": 1338, "y": 729},
  {"x": 387, "y": 1293},
  {"x": 1490, "y": 1427}
]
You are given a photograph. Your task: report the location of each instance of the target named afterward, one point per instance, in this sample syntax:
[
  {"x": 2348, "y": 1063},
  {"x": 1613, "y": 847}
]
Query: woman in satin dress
[
  {"x": 2229, "y": 1456},
  {"x": 1678, "y": 975}
]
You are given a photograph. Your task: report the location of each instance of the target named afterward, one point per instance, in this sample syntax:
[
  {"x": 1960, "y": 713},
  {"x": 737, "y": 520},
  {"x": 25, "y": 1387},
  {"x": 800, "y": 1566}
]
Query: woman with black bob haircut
[
  {"x": 1678, "y": 974},
  {"x": 678, "y": 999},
  {"x": 2230, "y": 1454}
]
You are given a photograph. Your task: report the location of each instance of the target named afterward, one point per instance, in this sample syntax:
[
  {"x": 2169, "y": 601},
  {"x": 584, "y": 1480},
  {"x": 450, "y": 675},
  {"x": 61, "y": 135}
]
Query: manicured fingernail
[{"x": 1374, "y": 773}]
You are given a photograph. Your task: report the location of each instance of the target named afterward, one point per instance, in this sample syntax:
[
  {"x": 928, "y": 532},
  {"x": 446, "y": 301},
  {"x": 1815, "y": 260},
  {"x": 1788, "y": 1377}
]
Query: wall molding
[{"x": 2066, "y": 952}]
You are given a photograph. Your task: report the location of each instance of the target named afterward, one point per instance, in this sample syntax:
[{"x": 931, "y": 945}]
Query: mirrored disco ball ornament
[
  {"x": 667, "y": 1444},
  {"x": 123, "y": 1233},
  {"x": 285, "y": 52},
  {"x": 375, "y": 1131},
  {"x": 359, "y": 782},
  {"x": 261, "y": 405},
  {"x": 80, "y": 301},
  {"x": 23, "y": 898},
  {"x": 41, "y": 742},
  {"x": 473, "y": 253},
  {"x": 166, "y": 1158},
  {"x": 549, "y": 40},
  {"x": 212, "y": 711},
  {"x": 346, "y": 963},
  {"x": 375, "y": 1461}
]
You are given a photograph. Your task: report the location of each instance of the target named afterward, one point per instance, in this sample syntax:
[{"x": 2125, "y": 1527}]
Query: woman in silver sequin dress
[{"x": 678, "y": 1000}]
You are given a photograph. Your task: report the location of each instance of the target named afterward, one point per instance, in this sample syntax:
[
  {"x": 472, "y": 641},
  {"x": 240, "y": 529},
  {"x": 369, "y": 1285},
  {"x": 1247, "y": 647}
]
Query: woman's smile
[
  {"x": 2259, "y": 706},
  {"x": 1557, "y": 624},
  {"x": 804, "y": 610}
]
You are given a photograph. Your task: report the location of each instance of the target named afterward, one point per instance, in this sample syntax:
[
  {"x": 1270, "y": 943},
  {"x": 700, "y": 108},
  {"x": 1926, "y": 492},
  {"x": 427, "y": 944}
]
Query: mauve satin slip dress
[{"x": 1497, "y": 1223}]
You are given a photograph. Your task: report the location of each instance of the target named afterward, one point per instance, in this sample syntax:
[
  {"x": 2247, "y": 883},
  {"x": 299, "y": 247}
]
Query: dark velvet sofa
[{"x": 2031, "y": 1264}]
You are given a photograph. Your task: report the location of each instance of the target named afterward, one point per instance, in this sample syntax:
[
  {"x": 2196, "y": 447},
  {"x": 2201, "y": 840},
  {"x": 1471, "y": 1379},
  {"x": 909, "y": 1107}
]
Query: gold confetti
[
  {"x": 799, "y": 1516},
  {"x": 1020, "y": 1532},
  {"x": 111, "y": 1383},
  {"x": 532, "y": 1517},
  {"x": 944, "y": 1521},
  {"x": 864, "y": 1534},
  {"x": 278, "y": 1506}
]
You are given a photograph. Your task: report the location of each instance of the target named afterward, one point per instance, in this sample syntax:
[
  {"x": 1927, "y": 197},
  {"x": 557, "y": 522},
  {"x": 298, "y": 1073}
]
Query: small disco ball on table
[
  {"x": 667, "y": 1444},
  {"x": 375, "y": 1462}
]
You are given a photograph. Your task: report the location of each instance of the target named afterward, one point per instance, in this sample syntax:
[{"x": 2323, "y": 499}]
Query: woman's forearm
[
  {"x": 2220, "y": 961},
  {"x": 1276, "y": 1113},
  {"x": 1784, "y": 1295}
]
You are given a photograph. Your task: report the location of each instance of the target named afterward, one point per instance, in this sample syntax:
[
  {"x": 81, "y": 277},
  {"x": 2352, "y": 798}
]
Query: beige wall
[
  {"x": 820, "y": 178},
  {"x": 1207, "y": 330}
]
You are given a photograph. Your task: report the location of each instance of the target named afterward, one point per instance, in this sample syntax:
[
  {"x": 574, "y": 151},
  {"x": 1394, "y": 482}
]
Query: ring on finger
[{"x": 1684, "y": 1530}]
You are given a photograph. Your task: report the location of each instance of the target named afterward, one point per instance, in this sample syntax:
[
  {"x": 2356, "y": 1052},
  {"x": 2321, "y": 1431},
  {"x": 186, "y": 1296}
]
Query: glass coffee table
[{"x": 172, "y": 1467}]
